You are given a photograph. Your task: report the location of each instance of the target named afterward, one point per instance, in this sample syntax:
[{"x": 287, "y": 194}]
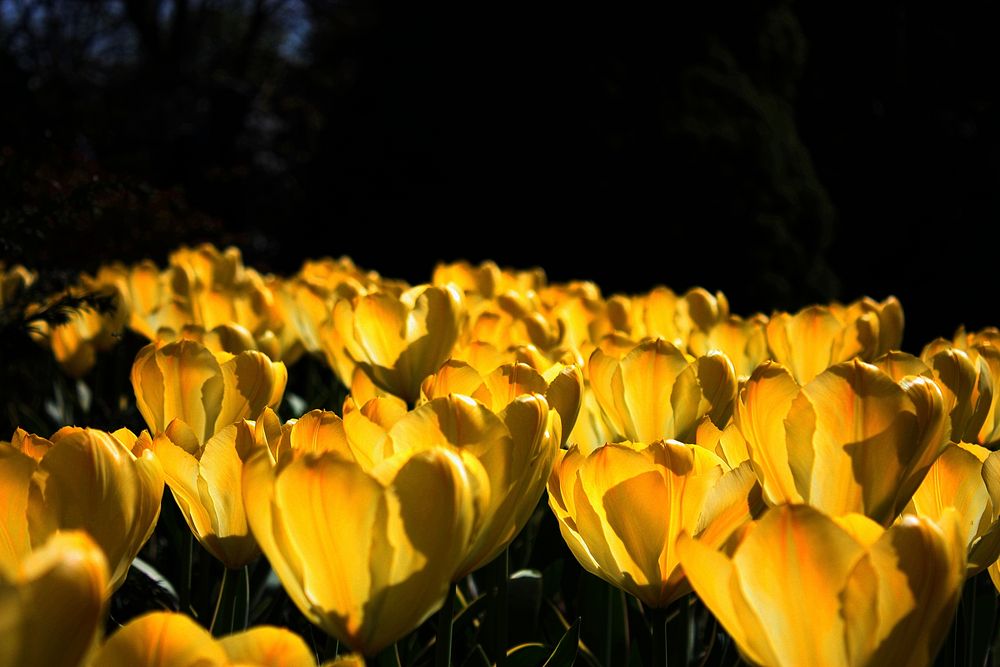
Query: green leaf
[
  {"x": 564, "y": 654},
  {"x": 527, "y": 655}
]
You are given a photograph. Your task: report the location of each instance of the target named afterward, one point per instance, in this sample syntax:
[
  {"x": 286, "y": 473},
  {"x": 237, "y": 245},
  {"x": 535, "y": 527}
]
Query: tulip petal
[
  {"x": 161, "y": 639},
  {"x": 760, "y": 416},
  {"x": 267, "y": 646},
  {"x": 61, "y": 588},
  {"x": 795, "y": 566},
  {"x": 16, "y": 470}
]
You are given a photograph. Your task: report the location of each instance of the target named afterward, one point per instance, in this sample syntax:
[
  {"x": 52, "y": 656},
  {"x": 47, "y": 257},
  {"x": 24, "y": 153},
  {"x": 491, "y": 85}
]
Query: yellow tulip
[
  {"x": 212, "y": 288},
  {"x": 205, "y": 480},
  {"x": 516, "y": 447},
  {"x": 207, "y": 391},
  {"x": 657, "y": 392},
  {"x": 621, "y": 508},
  {"x": 13, "y": 282},
  {"x": 675, "y": 318},
  {"x": 52, "y": 605},
  {"x": 397, "y": 341},
  {"x": 103, "y": 483},
  {"x": 743, "y": 341},
  {"x": 850, "y": 441},
  {"x": 512, "y": 320},
  {"x": 163, "y": 639},
  {"x": 983, "y": 351},
  {"x": 965, "y": 385},
  {"x": 817, "y": 337},
  {"x": 375, "y": 554},
  {"x": 803, "y": 589},
  {"x": 966, "y": 479},
  {"x": 488, "y": 280},
  {"x": 561, "y": 385}
]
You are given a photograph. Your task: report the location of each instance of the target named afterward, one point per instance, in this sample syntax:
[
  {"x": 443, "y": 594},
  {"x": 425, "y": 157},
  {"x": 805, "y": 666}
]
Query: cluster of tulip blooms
[{"x": 824, "y": 494}]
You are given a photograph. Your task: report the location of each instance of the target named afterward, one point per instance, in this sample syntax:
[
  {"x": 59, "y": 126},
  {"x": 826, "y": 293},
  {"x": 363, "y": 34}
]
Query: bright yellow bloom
[
  {"x": 163, "y": 639},
  {"x": 488, "y": 280},
  {"x": 817, "y": 337},
  {"x": 621, "y": 507},
  {"x": 743, "y": 341},
  {"x": 657, "y": 392},
  {"x": 81, "y": 479},
  {"x": 964, "y": 384},
  {"x": 206, "y": 481},
  {"x": 802, "y": 589},
  {"x": 516, "y": 448},
  {"x": 207, "y": 391},
  {"x": 983, "y": 351},
  {"x": 850, "y": 441},
  {"x": 375, "y": 554},
  {"x": 52, "y": 604},
  {"x": 966, "y": 479},
  {"x": 561, "y": 385},
  {"x": 397, "y": 341},
  {"x": 512, "y": 320},
  {"x": 213, "y": 287}
]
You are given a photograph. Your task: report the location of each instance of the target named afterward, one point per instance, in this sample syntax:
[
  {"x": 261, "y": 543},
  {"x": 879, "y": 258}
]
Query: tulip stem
[
  {"x": 503, "y": 573},
  {"x": 658, "y": 619},
  {"x": 231, "y": 607},
  {"x": 442, "y": 649},
  {"x": 187, "y": 558}
]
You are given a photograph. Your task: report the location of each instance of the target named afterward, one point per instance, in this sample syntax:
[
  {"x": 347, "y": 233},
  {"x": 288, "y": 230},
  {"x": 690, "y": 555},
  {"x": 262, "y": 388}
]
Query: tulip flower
[
  {"x": 803, "y": 589},
  {"x": 621, "y": 507},
  {"x": 488, "y": 280},
  {"x": 205, "y": 480},
  {"x": 52, "y": 604},
  {"x": 743, "y": 341},
  {"x": 850, "y": 441},
  {"x": 81, "y": 479},
  {"x": 657, "y": 392},
  {"x": 965, "y": 385},
  {"x": 207, "y": 391},
  {"x": 511, "y": 320},
  {"x": 817, "y": 337},
  {"x": 983, "y": 351},
  {"x": 212, "y": 288},
  {"x": 675, "y": 318},
  {"x": 561, "y": 385},
  {"x": 375, "y": 554},
  {"x": 965, "y": 479},
  {"x": 163, "y": 639},
  {"x": 397, "y": 341}
]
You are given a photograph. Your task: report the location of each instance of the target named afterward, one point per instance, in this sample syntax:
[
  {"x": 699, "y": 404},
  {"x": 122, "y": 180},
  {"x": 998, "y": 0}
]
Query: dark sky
[{"x": 783, "y": 152}]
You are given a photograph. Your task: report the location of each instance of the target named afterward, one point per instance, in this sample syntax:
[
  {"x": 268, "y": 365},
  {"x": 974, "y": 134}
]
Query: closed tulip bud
[
  {"x": 207, "y": 391},
  {"x": 657, "y": 392},
  {"x": 817, "y": 337},
  {"x": 106, "y": 484},
  {"x": 205, "y": 480},
  {"x": 52, "y": 604},
  {"x": 375, "y": 554},
  {"x": 850, "y": 441},
  {"x": 965, "y": 479},
  {"x": 164, "y": 639},
  {"x": 397, "y": 341},
  {"x": 561, "y": 385},
  {"x": 621, "y": 508},
  {"x": 802, "y": 589}
]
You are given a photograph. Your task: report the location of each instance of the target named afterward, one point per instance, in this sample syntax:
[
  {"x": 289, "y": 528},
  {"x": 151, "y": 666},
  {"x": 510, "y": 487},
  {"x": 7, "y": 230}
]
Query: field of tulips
[{"x": 488, "y": 469}]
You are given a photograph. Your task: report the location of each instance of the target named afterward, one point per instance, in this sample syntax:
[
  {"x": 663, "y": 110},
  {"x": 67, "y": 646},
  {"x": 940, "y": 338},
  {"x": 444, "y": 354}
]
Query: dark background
[{"x": 782, "y": 152}]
